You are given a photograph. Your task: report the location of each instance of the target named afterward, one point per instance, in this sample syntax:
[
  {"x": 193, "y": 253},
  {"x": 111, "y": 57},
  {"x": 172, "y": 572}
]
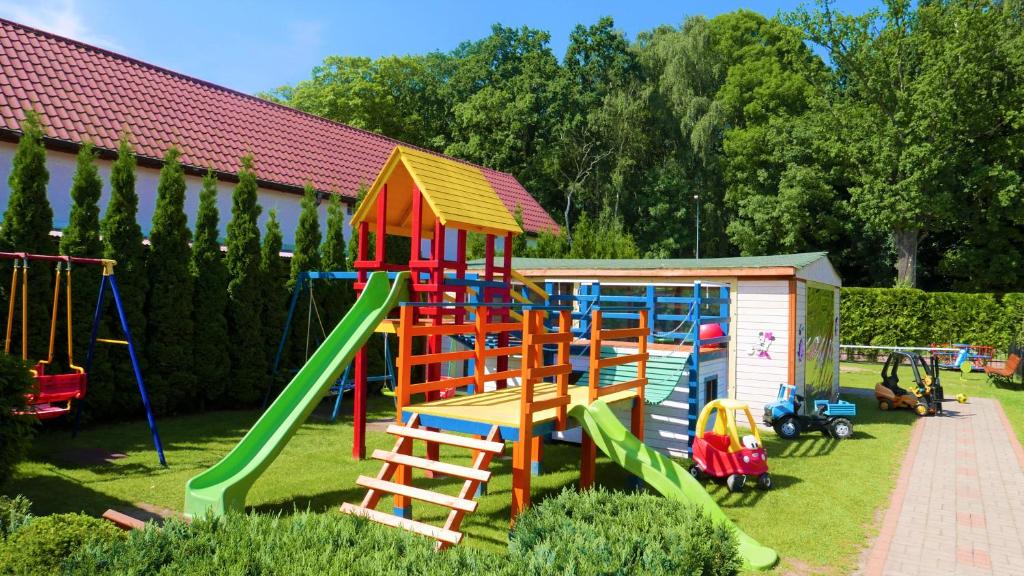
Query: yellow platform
[{"x": 501, "y": 407}]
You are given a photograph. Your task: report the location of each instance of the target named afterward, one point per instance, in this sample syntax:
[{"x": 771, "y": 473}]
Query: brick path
[{"x": 958, "y": 506}]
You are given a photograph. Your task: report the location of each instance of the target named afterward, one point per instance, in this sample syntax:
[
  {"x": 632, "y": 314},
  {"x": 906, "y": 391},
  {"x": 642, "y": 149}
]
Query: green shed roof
[{"x": 796, "y": 261}]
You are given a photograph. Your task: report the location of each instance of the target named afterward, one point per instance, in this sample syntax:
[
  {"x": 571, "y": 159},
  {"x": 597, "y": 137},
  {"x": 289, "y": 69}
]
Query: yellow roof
[{"x": 456, "y": 193}]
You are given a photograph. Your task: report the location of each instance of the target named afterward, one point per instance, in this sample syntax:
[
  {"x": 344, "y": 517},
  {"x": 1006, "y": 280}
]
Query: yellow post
[{"x": 10, "y": 308}]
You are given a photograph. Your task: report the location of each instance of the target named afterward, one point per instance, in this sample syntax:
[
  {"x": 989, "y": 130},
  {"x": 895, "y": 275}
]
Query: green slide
[
  {"x": 662, "y": 474},
  {"x": 223, "y": 487}
]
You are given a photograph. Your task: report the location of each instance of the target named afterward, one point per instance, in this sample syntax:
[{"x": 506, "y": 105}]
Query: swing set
[
  {"x": 53, "y": 393},
  {"x": 306, "y": 281}
]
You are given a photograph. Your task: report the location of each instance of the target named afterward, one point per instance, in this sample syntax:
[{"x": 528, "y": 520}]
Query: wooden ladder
[{"x": 400, "y": 461}]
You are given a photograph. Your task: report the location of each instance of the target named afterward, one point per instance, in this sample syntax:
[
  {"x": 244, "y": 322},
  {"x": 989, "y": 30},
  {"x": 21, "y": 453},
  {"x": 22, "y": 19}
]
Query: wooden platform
[{"x": 476, "y": 412}]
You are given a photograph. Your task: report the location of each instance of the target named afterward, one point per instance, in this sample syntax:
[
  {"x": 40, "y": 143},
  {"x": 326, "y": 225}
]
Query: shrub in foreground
[
  {"x": 14, "y": 514},
  {"x": 15, "y": 431},
  {"x": 43, "y": 544},
  {"x": 600, "y": 532}
]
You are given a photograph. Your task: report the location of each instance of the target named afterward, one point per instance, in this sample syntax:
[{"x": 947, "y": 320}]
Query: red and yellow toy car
[{"x": 721, "y": 454}]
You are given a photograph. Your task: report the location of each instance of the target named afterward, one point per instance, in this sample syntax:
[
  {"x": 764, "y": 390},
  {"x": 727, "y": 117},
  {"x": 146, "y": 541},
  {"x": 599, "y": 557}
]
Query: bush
[
  {"x": 41, "y": 546},
  {"x": 14, "y": 514},
  {"x": 599, "y": 532},
  {"x": 910, "y": 317},
  {"x": 15, "y": 431}
]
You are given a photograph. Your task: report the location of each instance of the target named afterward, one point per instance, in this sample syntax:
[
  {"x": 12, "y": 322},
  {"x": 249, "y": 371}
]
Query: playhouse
[
  {"x": 778, "y": 315},
  {"x": 485, "y": 357}
]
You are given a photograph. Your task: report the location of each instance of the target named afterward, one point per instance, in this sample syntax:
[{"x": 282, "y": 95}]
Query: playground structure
[
  {"x": 963, "y": 357},
  {"x": 53, "y": 394},
  {"x": 506, "y": 337}
]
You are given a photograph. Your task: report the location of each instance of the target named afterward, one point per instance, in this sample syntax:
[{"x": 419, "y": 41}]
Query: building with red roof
[{"x": 85, "y": 93}]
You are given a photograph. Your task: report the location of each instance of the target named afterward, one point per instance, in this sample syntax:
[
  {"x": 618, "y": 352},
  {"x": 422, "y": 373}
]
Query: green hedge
[
  {"x": 596, "y": 532},
  {"x": 15, "y": 431},
  {"x": 911, "y": 317}
]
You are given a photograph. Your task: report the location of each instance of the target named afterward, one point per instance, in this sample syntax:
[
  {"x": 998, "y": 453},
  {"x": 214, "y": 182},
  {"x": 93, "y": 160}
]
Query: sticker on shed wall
[{"x": 765, "y": 338}]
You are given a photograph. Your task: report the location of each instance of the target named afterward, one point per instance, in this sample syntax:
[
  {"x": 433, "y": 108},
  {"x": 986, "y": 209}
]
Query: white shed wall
[{"x": 762, "y": 308}]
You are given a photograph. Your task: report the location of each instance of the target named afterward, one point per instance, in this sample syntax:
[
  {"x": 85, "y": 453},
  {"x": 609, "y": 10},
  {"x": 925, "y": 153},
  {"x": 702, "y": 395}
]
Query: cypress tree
[
  {"x": 248, "y": 368},
  {"x": 306, "y": 256},
  {"x": 171, "y": 378},
  {"x": 26, "y": 227},
  {"x": 122, "y": 241},
  {"x": 209, "y": 305},
  {"x": 337, "y": 297},
  {"x": 274, "y": 270},
  {"x": 82, "y": 238}
]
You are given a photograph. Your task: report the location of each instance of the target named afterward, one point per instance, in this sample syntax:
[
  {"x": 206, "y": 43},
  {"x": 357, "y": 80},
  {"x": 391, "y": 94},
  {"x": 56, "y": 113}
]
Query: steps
[{"x": 395, "y": 478}]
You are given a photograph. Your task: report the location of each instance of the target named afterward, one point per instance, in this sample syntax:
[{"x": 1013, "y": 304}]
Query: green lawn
[
  {"x": 819, "y": 515},
  {"x": 975, "y": 384}
]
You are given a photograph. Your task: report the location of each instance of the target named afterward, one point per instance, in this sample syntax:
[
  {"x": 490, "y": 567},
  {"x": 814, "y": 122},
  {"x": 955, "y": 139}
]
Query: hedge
[
  {"x": 15, "y": 431},
  {"x": 596, "y": 532},
  {"x": 911, "y": 317}
]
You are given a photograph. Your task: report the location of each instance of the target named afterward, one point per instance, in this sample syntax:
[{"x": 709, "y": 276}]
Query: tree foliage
[
  {"x": 900, "y": 152},
  {"x": 212, "y": 363},
  {"x": 26, "y": 227},
  {"x": 169, "y": 343},
  {"x": 245, "y": 291},
  {"x": 274, "y": 270}
]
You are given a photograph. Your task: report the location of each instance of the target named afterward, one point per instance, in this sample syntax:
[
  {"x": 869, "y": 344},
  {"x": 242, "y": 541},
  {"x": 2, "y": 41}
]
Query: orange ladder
[{"x": 395, "y": 478}]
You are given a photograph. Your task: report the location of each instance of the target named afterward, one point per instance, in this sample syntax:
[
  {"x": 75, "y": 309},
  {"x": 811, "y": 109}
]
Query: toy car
[
  {"x": 832, "y": 418},
  {"x": 722, "y": 454}
]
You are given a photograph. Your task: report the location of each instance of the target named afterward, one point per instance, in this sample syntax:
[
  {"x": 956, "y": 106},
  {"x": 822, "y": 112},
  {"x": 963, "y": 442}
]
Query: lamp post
[{"x": 697, "y": 251}]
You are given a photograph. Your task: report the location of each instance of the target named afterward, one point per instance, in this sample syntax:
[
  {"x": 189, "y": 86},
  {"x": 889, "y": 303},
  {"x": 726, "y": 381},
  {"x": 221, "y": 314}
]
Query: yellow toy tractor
[{"x": 927, "y": 395}]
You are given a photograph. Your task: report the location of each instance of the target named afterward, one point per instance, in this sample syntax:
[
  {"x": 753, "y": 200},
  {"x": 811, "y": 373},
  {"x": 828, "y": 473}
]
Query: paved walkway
[{"x": 958, "y": 506}]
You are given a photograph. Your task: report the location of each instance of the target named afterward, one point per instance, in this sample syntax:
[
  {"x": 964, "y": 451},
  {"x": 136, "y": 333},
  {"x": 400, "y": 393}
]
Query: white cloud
[{"x": 57, "y": 16}]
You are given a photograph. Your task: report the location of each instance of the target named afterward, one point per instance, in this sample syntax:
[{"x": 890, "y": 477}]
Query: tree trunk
[{"x": 906, "y": 256}]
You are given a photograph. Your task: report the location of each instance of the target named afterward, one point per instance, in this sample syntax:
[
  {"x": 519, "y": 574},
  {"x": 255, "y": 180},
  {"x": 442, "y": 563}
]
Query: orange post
[
  {"x": 564, "y": 327},
  {"x": 637, "y": 417},
  {"x": 521, "y": 453},
  {"x": 403, "y": 475},
  {"x": 588, "y": 451}
]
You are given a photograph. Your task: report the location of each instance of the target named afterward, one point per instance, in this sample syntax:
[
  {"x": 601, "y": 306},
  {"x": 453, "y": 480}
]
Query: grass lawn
[
  {"x": 975, "y": 384},
  {"x": 819, "y": 516}
]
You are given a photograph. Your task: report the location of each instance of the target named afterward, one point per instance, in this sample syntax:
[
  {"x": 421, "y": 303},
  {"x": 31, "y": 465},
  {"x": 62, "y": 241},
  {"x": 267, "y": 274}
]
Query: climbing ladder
[{"x": 395, "y": 478}]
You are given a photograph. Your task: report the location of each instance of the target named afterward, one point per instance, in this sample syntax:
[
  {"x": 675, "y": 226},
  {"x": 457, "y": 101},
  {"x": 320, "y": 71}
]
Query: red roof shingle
[{"x": 87, "y": 93}]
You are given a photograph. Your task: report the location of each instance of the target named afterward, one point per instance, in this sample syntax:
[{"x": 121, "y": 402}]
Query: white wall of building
[
  {"x": 761, "y": 341},
  {"x": 62, "y": 168}
]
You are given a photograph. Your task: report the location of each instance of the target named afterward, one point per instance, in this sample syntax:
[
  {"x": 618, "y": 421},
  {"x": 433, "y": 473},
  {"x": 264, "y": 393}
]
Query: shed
[{"x": 784, "y": 314}]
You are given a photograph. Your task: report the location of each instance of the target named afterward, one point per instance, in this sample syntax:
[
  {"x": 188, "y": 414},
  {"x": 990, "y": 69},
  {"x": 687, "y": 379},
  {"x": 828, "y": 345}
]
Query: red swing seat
[{"x": 53, "y": 389}]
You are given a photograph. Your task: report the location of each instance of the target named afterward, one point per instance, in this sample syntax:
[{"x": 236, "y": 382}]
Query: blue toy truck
[{"x": 832, "y": 418}]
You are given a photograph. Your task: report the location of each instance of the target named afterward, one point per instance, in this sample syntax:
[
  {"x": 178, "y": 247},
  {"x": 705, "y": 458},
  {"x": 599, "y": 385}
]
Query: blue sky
[{"x": 259, "y": 45}]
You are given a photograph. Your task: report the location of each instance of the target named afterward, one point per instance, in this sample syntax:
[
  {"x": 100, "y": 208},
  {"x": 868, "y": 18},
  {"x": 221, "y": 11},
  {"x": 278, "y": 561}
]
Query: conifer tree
[
  {"x": 248, "y": 368},
  {"x": 82, "y": 238},
  {"x": 122, "y": 241},
  {"x": 337, "y": 297},
  {"x": 171, "y": 379},
  {"x": 26, "y": 227},
  {"x": 212, "y": 363},
  {"x": 274, "y": 270},
  {"x": 306, "y": 258}
]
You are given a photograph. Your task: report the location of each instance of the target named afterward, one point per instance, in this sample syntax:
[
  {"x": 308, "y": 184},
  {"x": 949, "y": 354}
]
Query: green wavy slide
[
  {"x": 223, "y": 487},
  {"x": 662, "y": 474}
]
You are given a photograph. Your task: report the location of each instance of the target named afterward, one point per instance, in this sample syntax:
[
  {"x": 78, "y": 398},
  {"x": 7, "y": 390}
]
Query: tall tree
[
  {"x": 212, "y": 364},
  {"x": 245, "y": 295},
  {"x": 305, "y": 258},
  {"x": 337, "y": 297},
  {"x": 26, "y": 227},
  {"x": 274, "y": 270},
  {"x": 82, "y": 238},
  {"x": 122, "y": 241},
  {"x": 171, "y": 379}
]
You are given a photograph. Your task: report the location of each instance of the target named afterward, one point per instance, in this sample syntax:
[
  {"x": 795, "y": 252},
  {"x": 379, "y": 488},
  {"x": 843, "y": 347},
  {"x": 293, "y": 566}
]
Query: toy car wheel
[
  {"x": 884, "y": 405},
  {"x": 840, "y": 428},
  {"x": 764, "y": 481},
  {"x": 696, "y": 472},
  {"x": 735, "y": 482},
  {"x": 788, "y": 428},
  {"x": 921, "y": 409}
]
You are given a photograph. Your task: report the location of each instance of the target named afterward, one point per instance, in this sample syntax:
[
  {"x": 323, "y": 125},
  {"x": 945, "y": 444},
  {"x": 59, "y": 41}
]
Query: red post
[
  {"x": 382, "y": 224},
  {"x": 417, "y": 224},
  {"x": 362, "y": 256},
  {"x": 359, "y": 407}
]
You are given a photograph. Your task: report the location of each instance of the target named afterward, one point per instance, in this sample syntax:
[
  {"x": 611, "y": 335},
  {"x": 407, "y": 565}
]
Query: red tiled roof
[{"x": 87, "y": 93}]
